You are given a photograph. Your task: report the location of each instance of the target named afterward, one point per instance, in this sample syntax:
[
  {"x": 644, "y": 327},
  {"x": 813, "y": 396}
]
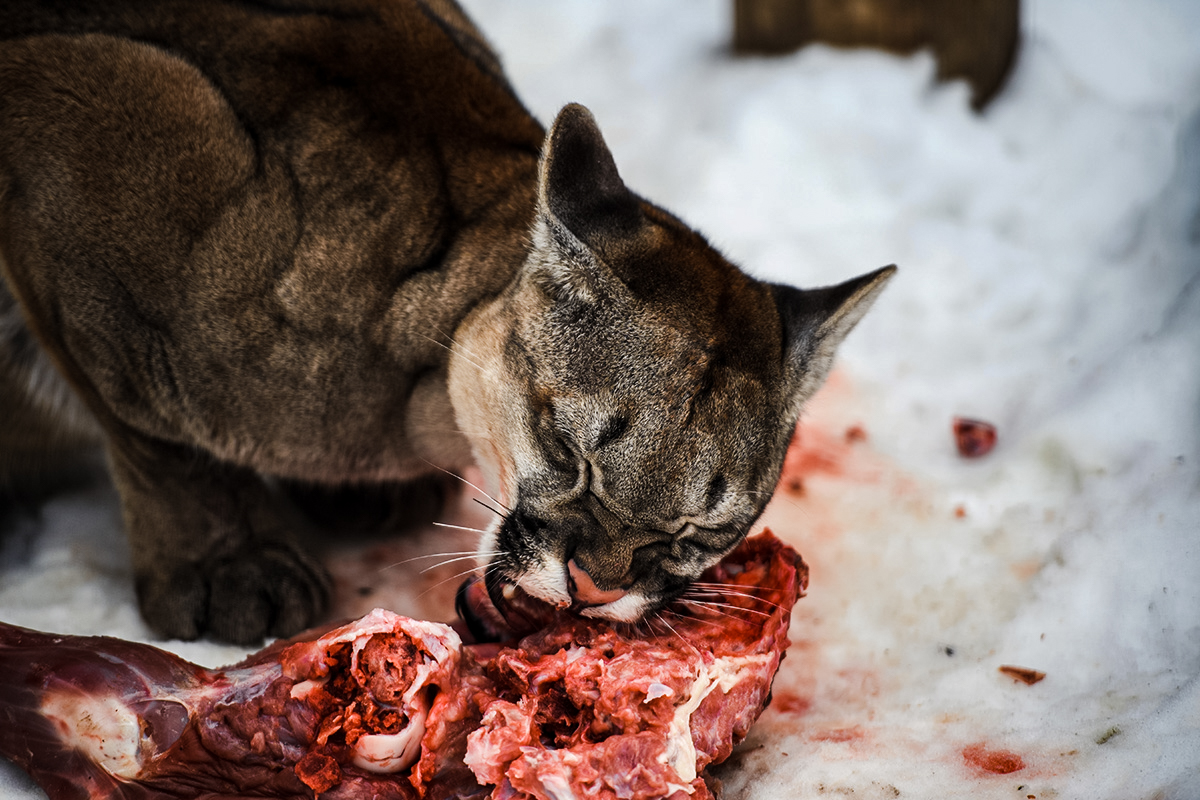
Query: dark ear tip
[
  {"x": 579, "y": 183},
  {"x": 873, "y": 281},
  {"x": 574, "y": 112},
  {"x": 573, "y": 121},
  {"x": 886, "y": 273},
  {"x": 866, "y": 287}
]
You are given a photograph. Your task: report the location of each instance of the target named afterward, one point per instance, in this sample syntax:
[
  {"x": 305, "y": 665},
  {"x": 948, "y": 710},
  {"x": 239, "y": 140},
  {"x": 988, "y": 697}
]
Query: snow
[{"x": 1049, "y": 254}]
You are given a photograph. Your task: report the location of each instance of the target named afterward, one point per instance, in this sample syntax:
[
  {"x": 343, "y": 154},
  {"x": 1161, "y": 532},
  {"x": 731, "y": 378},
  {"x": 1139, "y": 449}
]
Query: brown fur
[{"x": 259, "y": 240}]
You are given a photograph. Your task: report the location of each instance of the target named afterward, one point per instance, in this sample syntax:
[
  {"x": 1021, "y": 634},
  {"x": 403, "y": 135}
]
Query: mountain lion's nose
[{"x": 584, "y": 589}]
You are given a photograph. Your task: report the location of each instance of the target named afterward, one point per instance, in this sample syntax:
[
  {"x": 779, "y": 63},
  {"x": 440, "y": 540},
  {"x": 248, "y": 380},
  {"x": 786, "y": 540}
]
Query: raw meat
[
  {"x": 95, "y": 717},
  {"x": 974, "y": 437},
  {"x": 584, "y": 709},
  {"x": 390, "y": 707}
]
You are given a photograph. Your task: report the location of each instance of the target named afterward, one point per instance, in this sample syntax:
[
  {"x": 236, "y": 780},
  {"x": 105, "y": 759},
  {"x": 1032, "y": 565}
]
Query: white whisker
[
  {"x": 709, "y": 607},
  {"x": 713, "y": 605},
  {"x": 693, "y": 618},
  {"x": 489, "y": 508},
  {"x": 449, "y": 349},
  {"x": 468, "y": 483},
  {"x": 709, "y": 597},
  {"x": 726, "y": 593},
  {"x": 712, "y": 585},
  {"x": 731, "y": 589},
  {"x": 451, "y": 561},
  {"x": 459, "y": 527},
  {"x": 462, "y": 574},
  {"x": 460, "y": 345},
  {"x": 439, "y": 555},
  {"x": 672, "y": 629}
]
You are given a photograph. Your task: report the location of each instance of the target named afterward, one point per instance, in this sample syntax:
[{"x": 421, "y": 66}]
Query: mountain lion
[{"x": 253, "y": 242}]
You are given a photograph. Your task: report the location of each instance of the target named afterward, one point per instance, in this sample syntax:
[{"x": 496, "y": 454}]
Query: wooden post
[{"x": 971, "y": 39}]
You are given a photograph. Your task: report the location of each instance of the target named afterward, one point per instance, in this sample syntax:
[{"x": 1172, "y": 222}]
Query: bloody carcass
[{"x": 391, "y": 707}]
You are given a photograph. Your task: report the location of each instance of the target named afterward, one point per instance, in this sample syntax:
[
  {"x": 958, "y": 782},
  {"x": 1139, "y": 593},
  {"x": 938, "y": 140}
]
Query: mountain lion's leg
[
  {"x": 210, "y": 555},
  {"x": 47, "y": 437}
]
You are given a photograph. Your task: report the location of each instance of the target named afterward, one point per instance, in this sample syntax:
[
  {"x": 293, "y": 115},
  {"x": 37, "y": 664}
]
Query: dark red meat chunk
[{"x": 973, "y": 437}]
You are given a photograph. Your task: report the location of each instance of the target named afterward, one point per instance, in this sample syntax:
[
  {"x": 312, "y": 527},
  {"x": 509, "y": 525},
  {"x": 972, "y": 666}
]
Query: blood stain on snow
[
  {"x": 816, "y": 451},
  {"x": 851, "y": 734},
  {"x": 1026, "y": 568},
  {"x": 811, "y": 452},
  {"x": 828, "y": 441},
  {"x": 790, "y": 703},
  {"x": 996, "y": 762},
  {"x": 855, "y": 434}
]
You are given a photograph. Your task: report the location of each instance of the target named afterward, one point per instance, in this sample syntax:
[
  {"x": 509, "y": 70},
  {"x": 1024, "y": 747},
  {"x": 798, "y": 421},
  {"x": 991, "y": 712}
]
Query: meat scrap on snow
[{"x": 390, "y": 707}]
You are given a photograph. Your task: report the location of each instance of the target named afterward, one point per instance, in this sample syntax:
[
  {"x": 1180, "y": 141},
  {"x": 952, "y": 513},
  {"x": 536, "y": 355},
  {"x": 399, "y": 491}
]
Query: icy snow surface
[{"x": 1049, "y": 254}]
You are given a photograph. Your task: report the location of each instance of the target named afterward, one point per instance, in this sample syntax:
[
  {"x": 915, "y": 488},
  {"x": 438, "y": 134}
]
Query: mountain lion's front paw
[{"x": 264, "y": 589}]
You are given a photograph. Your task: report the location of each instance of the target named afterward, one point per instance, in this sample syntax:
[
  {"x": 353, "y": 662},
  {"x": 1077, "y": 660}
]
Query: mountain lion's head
[{"x": 632, "y": 394}]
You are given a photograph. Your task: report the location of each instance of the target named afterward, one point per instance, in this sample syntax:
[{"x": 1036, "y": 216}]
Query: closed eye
[
  {"x": 706, "y": 547},
  {"x": 614, "y": 428},
  {"x": 715, "y": 493},
  {"x": 713, "y": 541},
  {"x": 554, "y": 445}
]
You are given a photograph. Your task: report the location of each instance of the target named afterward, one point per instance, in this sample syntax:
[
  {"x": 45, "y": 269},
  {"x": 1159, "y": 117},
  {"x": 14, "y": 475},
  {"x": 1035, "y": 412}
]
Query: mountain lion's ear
[
  {"x": 578, "y": 182},
  {"x": 815, "y": 321},
  {"x": 583, "y": 205}
]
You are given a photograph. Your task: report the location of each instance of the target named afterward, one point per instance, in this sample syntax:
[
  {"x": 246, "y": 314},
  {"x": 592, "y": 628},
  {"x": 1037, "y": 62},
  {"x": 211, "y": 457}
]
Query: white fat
[
  {"x": 730, "y": 670},
  {"x": 104, "y": 729},
  {"x": 657, "y": 690},
  {"x": 724, "y": 674},
  {"x": 557, "y": 787},
  {"x": 386, "y": 753},
  {"x": 439, "y": 640},
  {"x": 303, "y": 689},
  {"x": 680, "y": 752}
]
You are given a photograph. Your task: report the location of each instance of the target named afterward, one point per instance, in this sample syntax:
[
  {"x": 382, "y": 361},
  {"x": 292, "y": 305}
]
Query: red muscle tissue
[
  {"x": 390, "y": 707},
  {"x": 974, "y": 437}
]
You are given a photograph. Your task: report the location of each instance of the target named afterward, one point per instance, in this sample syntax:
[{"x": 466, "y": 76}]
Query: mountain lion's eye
[
  {"x": 707, "y": 543},
  {"x": 614, "y": 428},
  {"x": 558, "y": 452}
]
